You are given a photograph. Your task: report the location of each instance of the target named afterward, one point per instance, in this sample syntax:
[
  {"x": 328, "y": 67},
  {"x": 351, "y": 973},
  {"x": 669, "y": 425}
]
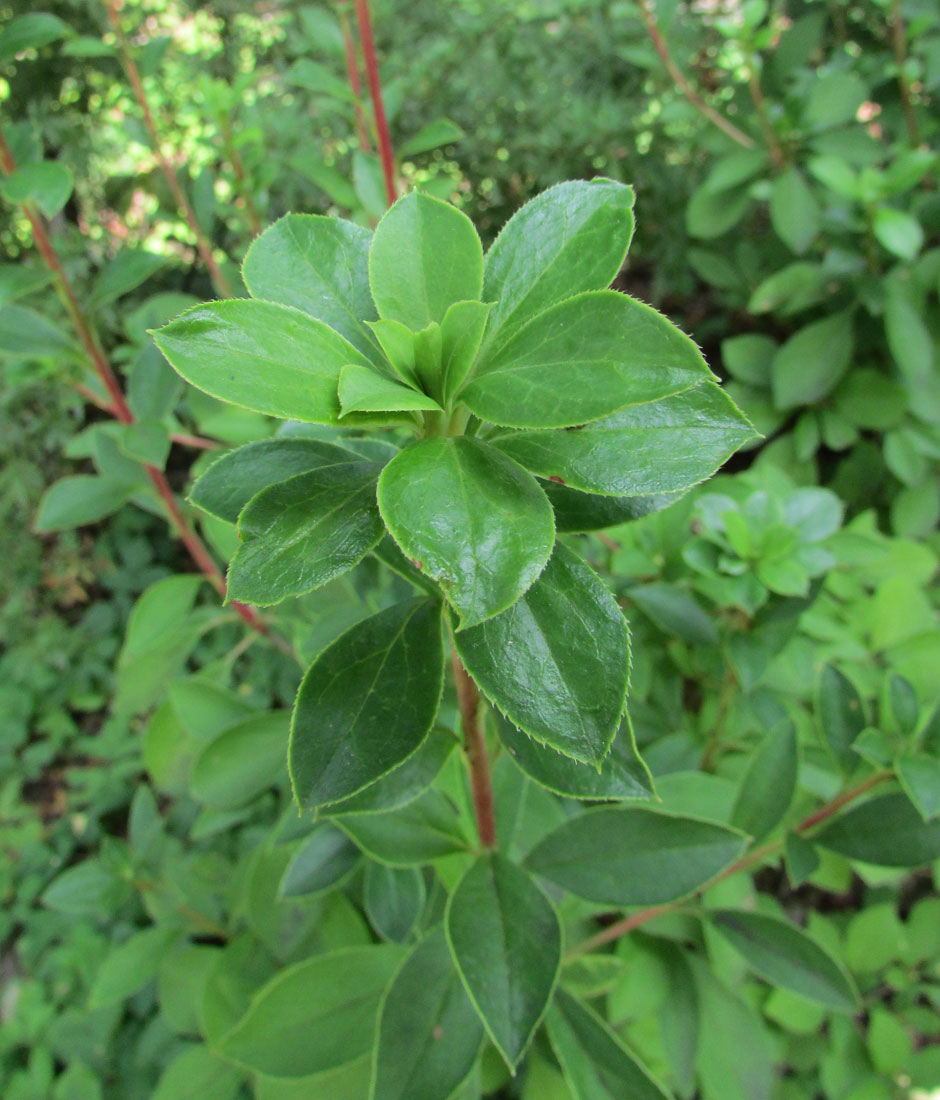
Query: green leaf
[
  {"x": 812, "y": 361},
  {"x": 748, "y": 358},
  {"x": 321, "y": 266},
  {"x": 801, "y": 857},
  {"x": 48, "y": 184},
  {"x": 899, "y": 232},
  {"x": 787, "y": 957},
  {"x": 303, "y": 532},
  {"x": 556, "y": 663},
  {"x": 596, "y": 1064},
  {"x": 424, "y": 829},
  {"x": 660, "y": 447},
  {"x": 130, "y": 966},
  {"x": 440, "y": 132},
  {"x": 318, "y": 79},
  {"x": 506, "y": 940},
  {"x": 266, "y": 357},
  {"x": 321, "y": 861},
  {"x": 363, "y": 390},
  {"x": 841, "y": 715},
  {"x": 461, "y": 336},
  {"x": 242, "y": 762},
  {"x": 794, "y": 211},
  {"x": 886, "y": 830},
  {"x": 198, "y": 1074},
  {"x": 398, "y": 344},
  {"x": 128, "y": 270},
  {"x": 429, "y": 1033},
  {"x": 631, "y": 855},
  {"x": 394, "y": 898},
  {"x": 366, "y": 703},
  {"x": 147, "y": 441},
  {"x": 710, "y": 213},
  {"x": 769, "y": 783},
  {"x": 571, "y": 238},
  {"x": 314, "y": 1015},
  {"x": 576, "y": 511},
  {"x": 75, "y": 501},
  {"x": 470, "y": 519},
  {"x": 425, "y": 256},
  {"x": 26, "y": 334},
  {"x": 232, "y": 480},
  {"x": 920, "y": 778},
  {"x": 30, "y": 32},
  {"x": 622, "y": 776},
  {"x": 369, "y": 184},
  {"x": 909, "y": 339},
  {"x": 674, "y": 611},
  {"x": 583, "y": 359},
  {"x": 333, "y": 183}
]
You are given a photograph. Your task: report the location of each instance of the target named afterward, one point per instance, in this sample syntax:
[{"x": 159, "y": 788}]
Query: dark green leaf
[
  {"x": 769, "y": 783},
  {"x": 841, "y": 715},
  {"x": 787, "y": 957},
  {"x": 404, "y": 783},
  {"x": 506, "y": 940},
  {"x": 575, "y": 511},
  {"x": 367, "y": 703},
  {"x": 801, "y": 857},
  {"x": 429, "y": 1033},
  {"x": 557, "y": 662},
  {"x": 905, "y": 708},
  {"x": 583, "y": 359},
  {"x": 471, "y": 519},
  {"x": 424, "y": 829},
  {"x": 886, "y": 830},
  {"x": 394, "y": 898},
  {"x": 242, "y": 762},
  {"x": 321, "y": 861},
  {"x": 631, "y": 855}
]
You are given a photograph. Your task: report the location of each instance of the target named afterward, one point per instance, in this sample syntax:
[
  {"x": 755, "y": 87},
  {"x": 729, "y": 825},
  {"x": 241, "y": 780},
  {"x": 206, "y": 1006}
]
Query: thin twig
[
  {"x": 652, "y": 27},
  {"x": 378, "y": 107},
  {"x": 352, "y": 72},
  {"x": 774, "y": 147},
  {"x": 468, "y": 700},
  {"x": 238, "y": 167},
  {"x": 899, "y": 40},
  {"x": 222, "y": 284},
  {"x": 184, "y": 439}
]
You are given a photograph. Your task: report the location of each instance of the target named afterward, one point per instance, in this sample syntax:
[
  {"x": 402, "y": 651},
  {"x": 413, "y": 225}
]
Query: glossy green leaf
[
  {"x": 363, "y": 390},
  {"x": 576, "y": 511},
  {"x": 429, "y": 1033},
  {"x": 622, "y": 776},
  {"x": 424, "y": 829},
  {"x": 787, "y": 957},
  {"x": 77, "y": 500},
  {"x": 394, "y": 898},
  {"x": 404, "y": 783},
  {"x": 886, "y": 830},
  {"x": 595, "y": 1061},
  {"x": 583, "y": 359},
  {"x": 314, "y": 1015},
  {"x": 661, "y": 447},
  {"x": 321, "y": 266},
  {"x": 794, "y": 212},
  {"x": 812, "y": 361},
  {"x": 506, "y": 940},
  {"x": 469, "y": 518},
  {"x": 48, "y": 184},
  {"x": 242, "y": 762},
  {"x": 232, "y": 480},
  {"x": 321, "y": 861},
  {"x": 631, "y": 855},
  {"x": 366, "y": 703},
  {"x": 270, "y": 358},
  {"x": 425, "y": 256},
  {"x": 768, "y": 784},
  {"x": 30, "y": 32},
  {"x": 461, "y": 336},
  {"x": 920, "y": 778},
  {"x": 303, "y": 532},
  {"x": 571, "y": 238},
  {"x": 841, "y": 715},
  {"x": 557, "y": 662}
]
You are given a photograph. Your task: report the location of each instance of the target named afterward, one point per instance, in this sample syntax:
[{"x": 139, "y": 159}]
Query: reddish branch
[
  {"x": 223, "y": 286},
  {"x": 378, "y": 107},
  {"x": 468, "y": 700},
  {"x": 355, "y": 84}
]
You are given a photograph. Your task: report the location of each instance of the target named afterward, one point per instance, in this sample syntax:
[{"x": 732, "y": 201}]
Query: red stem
[
  {"x": 352, "y": 71},
  {"x": 468, "y": 700},
  {"x": 378, "y": 107}
]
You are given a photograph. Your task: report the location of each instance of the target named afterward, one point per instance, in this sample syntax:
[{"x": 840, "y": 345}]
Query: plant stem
[
  {"x": 238, "y": 167},
  {"x": 468, "y": 699},
  {"x": 223, "y": 286},
  {"x": 899, "y": 41},
  {"x": 121, "y": 410},
  {"x": 378, "y": 107},
  {"x": 352, "y": 72},
  {"x": 184, "y": 439},
  {"x": 750, "y": 859},
  {"x": 760, "y": 107},
  {"x": 659, "y": 43}
]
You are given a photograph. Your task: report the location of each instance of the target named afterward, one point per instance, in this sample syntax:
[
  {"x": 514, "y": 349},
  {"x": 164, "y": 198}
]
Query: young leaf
[
  {"x": 232, "y": 480},
  {"x": 366, "y": 703},
  {"x": 631, "y": 855},
  {"x": 424, "y": 829},
  {"x": 363, "y": 390},
  {"x": 303, "y": 532},
  {"x": 571, "y": 238},
  {"x": 769, "y": 783},
  {"x": 461, "y": 335},
  {"x": 242, "y": 762},
  {"x": 321, "y": 266},
  {"x": 425, "y": 256},
  {"x": 398, "y": 344},
  {"x": 506, "y": 940},
  {"x": 841, "y": 714},
  {"x": 322, "y": 860},
  {"x": 596, "y": 1064},
  {"x": 429, "y": 1033},
  {"x": 314, "y": 1015},
  {"x": 270, "y": 358},
  {"x": 557, "y": 662},
  {"x": 471, "y": 519},
  {"x": 394, "y": 898},
  {"x": 622, "y": 776},
  {"x": 583, "y": 359},
  {"x": 886, "y": 830},
  {"x": 787, "y": 957},
  {"x": 661, "y": 447}
]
